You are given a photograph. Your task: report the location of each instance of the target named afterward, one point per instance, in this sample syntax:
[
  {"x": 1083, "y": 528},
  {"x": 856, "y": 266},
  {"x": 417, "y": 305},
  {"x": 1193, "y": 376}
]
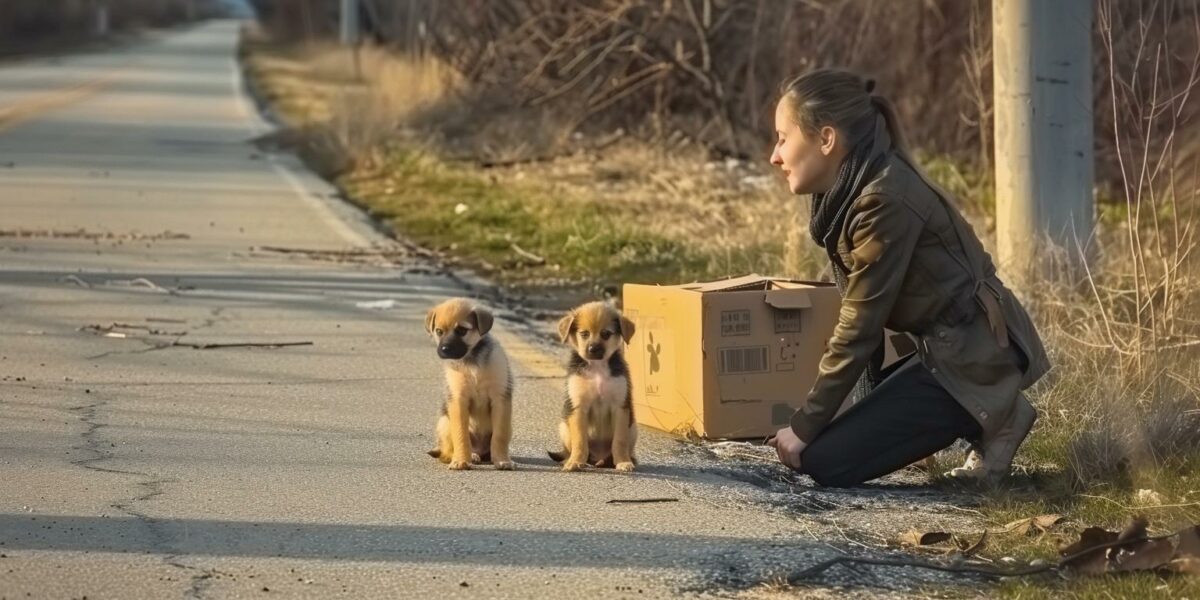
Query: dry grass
[
  {"x": 1119, "y": 433},
  {"x": 398, "y": 126}
]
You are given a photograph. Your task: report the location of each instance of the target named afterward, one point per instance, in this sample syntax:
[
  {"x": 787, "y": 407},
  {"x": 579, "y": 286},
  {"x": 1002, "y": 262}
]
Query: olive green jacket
[{"x": 916, "y": 266}]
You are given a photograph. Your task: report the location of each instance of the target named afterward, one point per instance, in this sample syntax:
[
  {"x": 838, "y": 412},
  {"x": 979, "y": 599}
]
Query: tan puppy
[
  {"x": 476, "y": 421},
  {"x": 597, "y": 427}
]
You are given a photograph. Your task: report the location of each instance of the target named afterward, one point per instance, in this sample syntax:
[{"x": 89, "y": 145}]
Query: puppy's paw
[
  {"x": 475, "y": 459},
  {"x": 572, "y": 465},
  {"x": 505, "y": 465},
  {"x": 625, "y": 466},
  {"x": 460, "y": 465}
]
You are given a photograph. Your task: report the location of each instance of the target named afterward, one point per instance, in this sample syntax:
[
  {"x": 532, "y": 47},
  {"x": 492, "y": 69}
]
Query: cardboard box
[{"x": 727, "y": 359}]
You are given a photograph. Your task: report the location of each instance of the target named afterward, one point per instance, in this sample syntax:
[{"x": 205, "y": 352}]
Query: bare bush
[
  {"x": 33, "y": 19},
  {"x": 1126, "y": 340}
]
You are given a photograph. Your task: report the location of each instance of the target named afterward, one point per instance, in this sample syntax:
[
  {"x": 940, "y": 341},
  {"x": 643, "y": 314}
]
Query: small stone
[
  {"x": 266, "y": 589},
  {"x": 463, "y": 584},
  {"x": 1039, "y": 563},
  {"x": 1008, "y": 560}
]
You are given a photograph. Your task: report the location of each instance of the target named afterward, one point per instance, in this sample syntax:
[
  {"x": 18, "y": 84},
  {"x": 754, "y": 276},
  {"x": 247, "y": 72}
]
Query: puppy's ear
[
  {"x": 626, "y": 329},
  {"x": 483, "y": 319},
  {"x": 429, "y": 319},
  {"x": 564, "y": 326}
]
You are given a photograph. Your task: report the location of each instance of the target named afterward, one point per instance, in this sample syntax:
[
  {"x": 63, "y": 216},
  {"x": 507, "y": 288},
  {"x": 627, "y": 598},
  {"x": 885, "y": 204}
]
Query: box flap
[
  {"x": 798, "y": 284},
  {"x": 788, "y": 299},
  {"x": 735, "y": 283}
]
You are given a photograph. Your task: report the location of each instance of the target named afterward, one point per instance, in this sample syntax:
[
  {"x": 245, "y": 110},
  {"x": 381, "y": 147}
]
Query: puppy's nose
[
  {"x": 453, "y": 349},
  {"x": 595, "y": 350}
]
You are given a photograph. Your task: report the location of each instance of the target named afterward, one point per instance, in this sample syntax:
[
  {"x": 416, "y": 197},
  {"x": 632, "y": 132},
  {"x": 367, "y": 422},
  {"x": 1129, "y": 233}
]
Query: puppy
[
  {"x": 476, "y": 421},
  {"x": 597, "y": 427}
]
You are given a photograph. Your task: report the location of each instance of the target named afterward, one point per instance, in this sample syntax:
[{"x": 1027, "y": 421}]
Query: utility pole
[
  {"x": 350, "y": 34},
  {"x": 349, "y": 22},
  {"x": 101, "y": 22},
  {"x": 1042, "y": 71}
]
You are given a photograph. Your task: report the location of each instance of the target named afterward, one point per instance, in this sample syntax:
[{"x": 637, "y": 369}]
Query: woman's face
[{"x": 809, "y": 162}]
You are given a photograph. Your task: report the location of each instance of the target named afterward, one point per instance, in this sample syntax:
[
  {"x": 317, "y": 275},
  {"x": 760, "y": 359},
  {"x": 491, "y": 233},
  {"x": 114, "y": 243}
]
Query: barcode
[{"x": 743, "y": 360}]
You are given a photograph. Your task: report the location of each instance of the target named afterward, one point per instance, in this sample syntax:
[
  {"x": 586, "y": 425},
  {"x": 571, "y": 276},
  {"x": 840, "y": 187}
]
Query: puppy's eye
[
  {"x": 438, "y": 332},
  {"x": 604, "y": 335},
  {"x": 460, "y": 331},
  {"x": 583, "y": 335}
]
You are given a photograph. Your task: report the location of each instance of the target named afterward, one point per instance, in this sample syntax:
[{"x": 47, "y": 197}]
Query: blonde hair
[{"x": 840, "y": 99}]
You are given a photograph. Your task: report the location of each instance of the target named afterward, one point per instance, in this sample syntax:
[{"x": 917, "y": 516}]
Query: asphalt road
[{"x": 135, "y": 467}]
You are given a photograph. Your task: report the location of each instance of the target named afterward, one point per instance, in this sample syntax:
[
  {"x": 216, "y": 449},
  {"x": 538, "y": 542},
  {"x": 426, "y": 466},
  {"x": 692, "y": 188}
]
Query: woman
[{"x": 903, "y": 258}]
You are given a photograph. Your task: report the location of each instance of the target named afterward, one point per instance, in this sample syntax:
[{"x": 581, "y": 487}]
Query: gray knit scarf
[{"x": 868, "y": 152}]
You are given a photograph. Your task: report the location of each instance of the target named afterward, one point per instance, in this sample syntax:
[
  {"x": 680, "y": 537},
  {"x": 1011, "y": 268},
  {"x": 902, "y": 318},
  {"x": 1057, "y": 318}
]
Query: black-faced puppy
[
  {"x": 597, "y": 427},
  {"x": 476, "y": 421}
]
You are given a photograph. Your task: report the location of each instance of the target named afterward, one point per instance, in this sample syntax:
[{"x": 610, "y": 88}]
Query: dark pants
[{"x": 906, "y": 418}]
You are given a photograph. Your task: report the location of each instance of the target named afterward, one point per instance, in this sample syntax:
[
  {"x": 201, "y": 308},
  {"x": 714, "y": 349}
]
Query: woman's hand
[{"x": 788, "y": 446}]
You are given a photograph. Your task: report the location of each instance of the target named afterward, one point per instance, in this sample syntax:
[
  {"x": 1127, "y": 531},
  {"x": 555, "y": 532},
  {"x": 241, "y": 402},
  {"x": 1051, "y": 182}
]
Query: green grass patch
[
  {"x": 1112, "y": 587},
  {"x": 460, "y": 210}
]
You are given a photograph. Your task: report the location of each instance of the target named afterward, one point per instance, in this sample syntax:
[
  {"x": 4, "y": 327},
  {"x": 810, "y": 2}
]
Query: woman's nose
[{"x": 775, "y": 158}]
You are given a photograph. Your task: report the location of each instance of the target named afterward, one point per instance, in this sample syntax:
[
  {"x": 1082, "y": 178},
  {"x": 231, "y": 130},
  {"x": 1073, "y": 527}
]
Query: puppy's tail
[{"x": 559, "y": 456}]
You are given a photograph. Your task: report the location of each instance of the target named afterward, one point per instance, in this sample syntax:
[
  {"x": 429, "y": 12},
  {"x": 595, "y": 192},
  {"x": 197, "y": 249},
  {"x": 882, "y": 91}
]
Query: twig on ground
[
  {"x": 109, "y": 329},
  {"x": 537, "y": 260},
  {"x": 77, "y": 281},
  {"x": 821, "y": 567},
  {"x": 141, "y": 282},
  {"x": 1127, "y": 507},
  {"x": 239, "y": 345},
  {"x": 845, "y": 537}
]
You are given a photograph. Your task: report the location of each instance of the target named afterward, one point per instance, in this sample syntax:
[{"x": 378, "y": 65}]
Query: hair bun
[{"x": 870, "y": 85}]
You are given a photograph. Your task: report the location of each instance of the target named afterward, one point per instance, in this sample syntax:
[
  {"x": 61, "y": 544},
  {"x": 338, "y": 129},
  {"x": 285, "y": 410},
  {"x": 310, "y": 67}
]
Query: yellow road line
[{"x": 21, "y": 112}]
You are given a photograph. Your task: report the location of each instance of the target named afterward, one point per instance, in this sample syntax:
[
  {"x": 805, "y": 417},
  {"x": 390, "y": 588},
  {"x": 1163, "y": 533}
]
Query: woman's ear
[{"x": 829, "y": 139}]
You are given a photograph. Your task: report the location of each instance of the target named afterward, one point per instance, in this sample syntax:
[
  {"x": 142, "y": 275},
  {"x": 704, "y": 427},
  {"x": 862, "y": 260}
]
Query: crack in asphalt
[{"x": 152, "y": 487}]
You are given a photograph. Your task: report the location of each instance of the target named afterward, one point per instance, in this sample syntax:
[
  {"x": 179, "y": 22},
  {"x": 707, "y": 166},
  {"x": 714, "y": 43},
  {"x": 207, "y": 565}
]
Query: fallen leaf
[
  {"x": 1045, "y": 522},
  {"x": 916, "y": 538},
  {"x": 1189, "y": 543},
  {"x": 977, "y": 546},
  {"x": 1089, "y": 563},
  {"x": 1136, "y": 530},
  {"x": 1019, "y": 527},
  {"x": 1184, "y": 566},
  {"x": 1039, "y": 524},
  {"x": 1145, "y": 556}
]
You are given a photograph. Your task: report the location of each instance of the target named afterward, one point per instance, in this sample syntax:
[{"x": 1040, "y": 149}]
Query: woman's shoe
[{"x": 993, "y": 461}]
